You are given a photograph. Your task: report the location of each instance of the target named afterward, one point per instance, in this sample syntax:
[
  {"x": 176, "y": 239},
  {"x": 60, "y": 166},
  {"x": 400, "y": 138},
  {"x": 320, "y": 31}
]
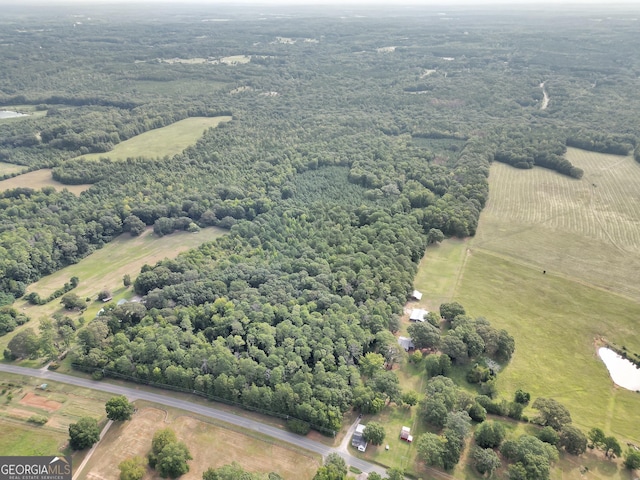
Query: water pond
[
  {"x": 10, "y": 114},
  {"x": 622, "y": 371}
]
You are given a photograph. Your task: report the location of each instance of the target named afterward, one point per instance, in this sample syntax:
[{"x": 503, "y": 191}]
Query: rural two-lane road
[{"x": 211, "y": 412}]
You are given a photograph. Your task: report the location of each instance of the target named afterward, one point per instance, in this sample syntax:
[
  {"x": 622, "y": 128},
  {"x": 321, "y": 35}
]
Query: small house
[
  {"x": 406, "y": 343},
  {"x": 358, "y": 441},
  {"x": 418, "y": 314},
  {"x": 416, "y": 295},
  {"x": 405, "y": 434}
]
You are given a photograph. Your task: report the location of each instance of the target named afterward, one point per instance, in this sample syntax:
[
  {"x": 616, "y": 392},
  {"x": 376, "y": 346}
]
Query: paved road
[{"x": 211, "y": 412}]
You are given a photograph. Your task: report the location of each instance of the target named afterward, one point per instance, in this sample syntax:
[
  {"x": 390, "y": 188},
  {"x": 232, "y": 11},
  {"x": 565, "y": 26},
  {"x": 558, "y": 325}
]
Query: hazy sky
[{"x": 364, "y": 3}]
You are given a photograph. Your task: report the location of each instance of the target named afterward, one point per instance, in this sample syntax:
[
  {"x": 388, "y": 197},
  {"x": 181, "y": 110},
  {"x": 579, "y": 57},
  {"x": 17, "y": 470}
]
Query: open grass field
[
  {"x": 169, "y": 140},
  {"x": 556, "y": 324},
  {"x": 26, "y": 440},
  {"x": 38, "y": 179},
  {"x": 588, "y": 230},
  {"x": 60, "y": 404},
  {"x": 439, "y": 273},
  {"x": 209, "y": 444},
  {"x": 586, "y": 237},
  {"x": 105, "y": 268},
  {"x": 6, "y": 168}
]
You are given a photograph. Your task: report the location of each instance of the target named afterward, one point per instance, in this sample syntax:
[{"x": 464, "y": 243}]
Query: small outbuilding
[
  {"x": 416, "y": 295},
  {"x": 405, "y": 434},
  {"x": 406, "y": 343},
  {"x": 418, "y": 314}
]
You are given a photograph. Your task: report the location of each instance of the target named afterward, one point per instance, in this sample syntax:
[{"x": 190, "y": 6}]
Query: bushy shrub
[{"x": 298, "y": 426}]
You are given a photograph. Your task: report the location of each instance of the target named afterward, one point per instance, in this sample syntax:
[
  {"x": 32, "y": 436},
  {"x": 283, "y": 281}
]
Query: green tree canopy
[
  {"x": 84, "y": 433},
  {"x": 133, "y": 468},
  {"x": 611, "y": 447},
  {"x": 71, "y": 301},
  {"x": 24, "y": 344},
  {"x": 172, "y": 460},
  {"x": 485, "y": 460},
  {"x": 451, "y": 310},
  {"x": 551, "y": 412},
  {"x": 119, "y": 408},
  {"x": 234, "y": 471},
  {"x": 533, "y": 456},
  {"x": 161, "y": 438},
  {"x": 424, "y": 335},
  {"x": 334, "y": 468},
  {"x": 374, "y": 433},
  {"x": 572, "y": 440},
  {"x": 489, "y": 434},
  {"x": 632, "y": 459},
  {"x": 431, "y": 448},
  {"x": 371, "y": 363}
]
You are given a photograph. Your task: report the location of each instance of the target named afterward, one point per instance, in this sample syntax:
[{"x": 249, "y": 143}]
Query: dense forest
[{"x": 354, "y": 142}]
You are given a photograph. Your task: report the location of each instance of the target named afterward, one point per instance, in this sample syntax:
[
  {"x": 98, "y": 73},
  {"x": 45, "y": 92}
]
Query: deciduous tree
[
  {"x": 552, "y": 413},
  {"x": 133, "y": 468},
  {"x": 84, "y": 433},
  {"x": 119, "y": 408},
  {"x": 172, "y": 460},
  {"x": 489, "y": 434},
  {"x": 572, "y": 439},
  {"x": 374, "y": 433},
  {"x": 486, "y": 461}
]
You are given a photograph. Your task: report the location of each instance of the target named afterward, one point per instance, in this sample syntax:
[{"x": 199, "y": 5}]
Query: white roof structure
[
  {"x": 417, "y": 315},
  {"x": 416, "y": 294},
  {"x": 357, "y": 440}
]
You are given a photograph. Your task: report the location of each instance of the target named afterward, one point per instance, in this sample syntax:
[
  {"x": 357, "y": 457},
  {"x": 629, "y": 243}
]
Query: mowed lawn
[
  {"x": 169, "y": 140},
  {"x": 39, "y": 179},
  {"x": 587, "y": 230},
  {"x": 209, "y": 444}
]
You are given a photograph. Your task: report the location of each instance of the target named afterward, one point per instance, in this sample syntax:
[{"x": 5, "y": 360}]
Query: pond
[
  {"x": 10, "y": 114},
  {"x": 622, "y": 371}
]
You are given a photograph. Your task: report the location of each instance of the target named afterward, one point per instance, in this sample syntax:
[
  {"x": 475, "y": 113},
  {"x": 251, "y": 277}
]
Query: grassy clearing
[
  {"x": 439, "y": 273},
  {"x": 7, "y": 168},
  {"x": 588, "y": 229},
  {"x": 556, "y": 323},
  {"x": 400, "y": 454},
  {"x": 60, "y": 404},
  {"x": 105, "y": 268},
  {"x": 204, "y": 440},
  {"x": 38, "y": 179},
  {"x": 169, "y": 140},
  {"x": 23, "y": 440}
]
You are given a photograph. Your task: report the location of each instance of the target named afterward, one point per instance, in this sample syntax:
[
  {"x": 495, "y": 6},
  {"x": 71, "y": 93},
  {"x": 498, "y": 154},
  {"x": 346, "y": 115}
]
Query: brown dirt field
[
  {"x": 38, "y": 401},
  {"x": 59, "y": 423},
  {"x": 19, "y": 413},
  {"x": 204, "y": 441}
]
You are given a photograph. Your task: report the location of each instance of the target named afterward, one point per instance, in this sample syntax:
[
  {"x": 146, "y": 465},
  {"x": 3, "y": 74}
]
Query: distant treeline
[
  {"x": 526, "y": 152},
  {"x": 602, "y": 143}
]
